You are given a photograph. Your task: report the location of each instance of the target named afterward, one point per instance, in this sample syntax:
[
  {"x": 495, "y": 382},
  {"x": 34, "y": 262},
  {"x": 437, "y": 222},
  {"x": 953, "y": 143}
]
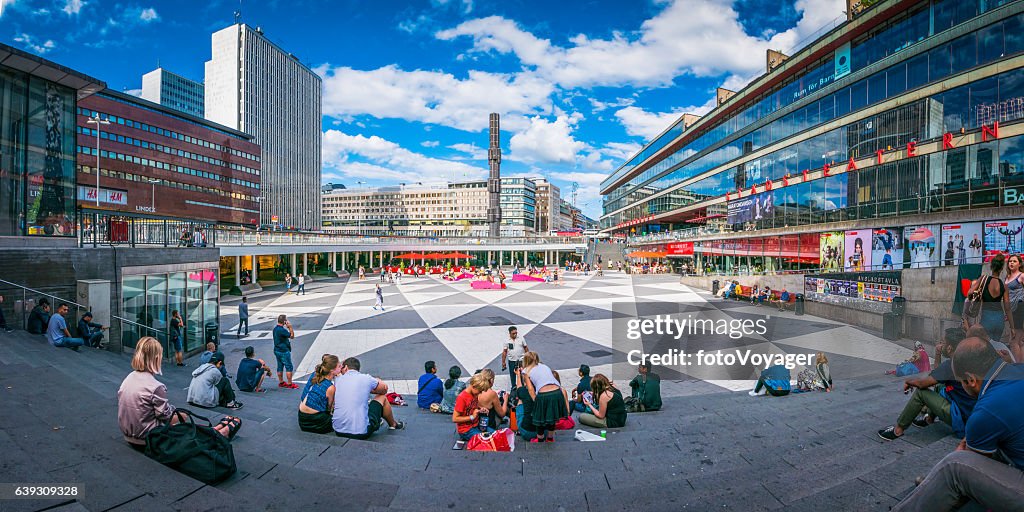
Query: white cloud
[
  {"x": 699, "y": 37},
  {"x": 433, "y": 96},
  {"x": 35, "y": 45},
  {"x": 620, "y": 150},
  {"x": 375, "y": 158},
  {"x": 5, "y": 3},
  {"x": 473, "y": 152},
  {"x": 134, "y": 92},
  {"x": 430, "y": 143},
  {"x": 148, "y": 14},
  {"x": 546, "y": 141},
  {"x": 72, "y": 7}
]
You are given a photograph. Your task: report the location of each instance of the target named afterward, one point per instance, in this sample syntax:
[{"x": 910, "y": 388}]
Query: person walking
[
  {"x": 302, "y": 285},
  {"x": 512, "y": 353},
  {"x": 380, "y": 299},
  {"x": 176, "y": 339},
  {"x": 995, "y": 302},
  {"x": 243, "y": 316},
  {"x": 287, "y": 283}
]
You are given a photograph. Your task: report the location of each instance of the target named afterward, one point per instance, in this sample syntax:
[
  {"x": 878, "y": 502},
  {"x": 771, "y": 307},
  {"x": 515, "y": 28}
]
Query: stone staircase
[{"x": 724, "y": 451}]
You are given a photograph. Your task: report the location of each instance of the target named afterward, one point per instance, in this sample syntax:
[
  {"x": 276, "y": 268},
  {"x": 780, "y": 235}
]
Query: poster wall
[
  {"x": 961, "y": 244},
  {"x": 1002, "y": 237},
  {"x": 921, "y": 245},
  {"x": 857, "y": 256},
  {"x": 831, "y": 251},
  {"x": 751, "y": 208},
  {"x": 869, "y": 286},
  {"x": 887, "y": 249}
]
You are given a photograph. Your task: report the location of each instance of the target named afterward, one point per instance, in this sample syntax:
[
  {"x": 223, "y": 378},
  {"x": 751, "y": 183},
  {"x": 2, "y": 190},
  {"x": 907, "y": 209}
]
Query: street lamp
[
  {"x": 97, "y": 121},
  {"x": 152, "y": 195}
]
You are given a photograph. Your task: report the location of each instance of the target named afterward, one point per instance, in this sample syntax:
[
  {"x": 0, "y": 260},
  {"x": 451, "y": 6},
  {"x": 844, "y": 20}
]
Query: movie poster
[
  {"x": 751, "y": 208},
  {"x": 831, "y": 251},
  {"x": 961, "y": 244},
  {"x": 921, "y": 246},
  {"x": 887, "y": 249},
  {"x": 857, "y": 257},
  {"x": 1003, "y": 237}
]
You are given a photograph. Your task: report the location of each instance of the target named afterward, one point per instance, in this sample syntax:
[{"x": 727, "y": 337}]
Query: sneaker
[
  {"x": 282, "y": 384},
  {"x": 752, "y": 393},
  {"x": 8, "y": 329},
  {"x": 399, "y": 425},
  {"x": 291, "y": 385},
  {"x": 234, "y": 405},
  {"x": 888, "y": 433},
  {"x": 921, "y": 422}
]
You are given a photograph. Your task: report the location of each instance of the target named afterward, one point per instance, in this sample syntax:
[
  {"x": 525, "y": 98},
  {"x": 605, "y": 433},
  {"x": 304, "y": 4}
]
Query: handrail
[{"x": 24, "y": 288}]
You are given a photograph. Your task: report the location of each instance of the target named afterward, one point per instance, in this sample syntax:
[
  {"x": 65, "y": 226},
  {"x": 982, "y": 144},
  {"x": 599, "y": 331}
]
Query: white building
[
  {"x": 173, "y": 91},
  {"x": 254, "y": 86},
  {"x": 548, "y": 200}
]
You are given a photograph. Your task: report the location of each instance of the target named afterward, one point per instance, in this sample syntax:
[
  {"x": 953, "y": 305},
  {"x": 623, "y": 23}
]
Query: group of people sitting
[
  {"x": 55, "y": 327},
  {"x": 757, "y": 295},
  {"x": 976, "y": 390}
]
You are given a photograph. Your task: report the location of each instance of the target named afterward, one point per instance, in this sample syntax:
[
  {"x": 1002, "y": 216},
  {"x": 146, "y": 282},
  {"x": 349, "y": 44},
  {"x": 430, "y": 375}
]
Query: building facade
[
  {"x": 902, "y": 126},
  {"x": 37, "y": 144},
  {"x": 453, "y": 210},
  {"x": 548, "y": 200},
  {"x": 156, "y": 162},
  {"x": 174, "y": 91},
  {"x": 254, "y": 86}
]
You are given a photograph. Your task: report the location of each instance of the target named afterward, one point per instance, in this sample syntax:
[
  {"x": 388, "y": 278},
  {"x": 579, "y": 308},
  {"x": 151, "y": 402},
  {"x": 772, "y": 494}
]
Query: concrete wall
[
  {"x": 56, "y": 270},
  {"x": 929, "y": 293}
]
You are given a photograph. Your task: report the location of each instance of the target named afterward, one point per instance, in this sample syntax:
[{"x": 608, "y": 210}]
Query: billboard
[
  {"x": 921, "y": 245},
  {"x": 751, "y": 208},
  {"x": 961, "y": 243},
  {"x": 870, "y": 286},
  {"x": 887, "y": 249},
  {"x": 831, "y": 251},
  {"x": 857, "y": 255},
  {"x": 1002, "y": 237}
]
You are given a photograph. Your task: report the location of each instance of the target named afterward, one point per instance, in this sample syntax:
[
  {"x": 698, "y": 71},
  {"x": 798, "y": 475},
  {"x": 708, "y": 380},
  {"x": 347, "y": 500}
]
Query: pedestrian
[
  {"x": 3, "y": 321},
  {"x": 380, "y": 299},
  {"x": 512, "y": 353},
  {"x": 302, "y": 285},
  {"x": 283, "y": 334},
  {"x": 287, "y": 283},
  {"x": 383, "y": 274},
  {"x": 362, "y": 273},
  {"x": 176, "y": 339},
  {"x": 243, "y": 316}
]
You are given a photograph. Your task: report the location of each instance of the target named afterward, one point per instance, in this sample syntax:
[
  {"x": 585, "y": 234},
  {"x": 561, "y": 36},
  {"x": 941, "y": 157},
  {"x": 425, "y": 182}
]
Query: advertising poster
[
  {"x": 870, "y": 286},
  {"x": 961, "y": 244},
  {"x": 751, "y": 208},
  {"x": 857, "y": 257},
  {"x": 1003, "y": 237},
  {"x": 831, "y": 251},
  {"x": 887, "y": 249},
  {"x": 921, "y": 246}
]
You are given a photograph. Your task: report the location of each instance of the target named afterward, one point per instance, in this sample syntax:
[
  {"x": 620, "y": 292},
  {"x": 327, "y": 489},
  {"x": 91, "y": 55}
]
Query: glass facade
[
  {"x": 150, "y": 300},
  {"x": 964, "y": 177},
  {"x": 37, "y": 152}
]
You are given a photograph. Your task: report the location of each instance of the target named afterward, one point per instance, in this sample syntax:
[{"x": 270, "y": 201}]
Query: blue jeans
[
  {"x": 284, "y": 361},
  {"x": 474, "y": 431},
  {"x": 95, "y": 339},
  {"x": 512, "y": 366},
  {"x": 993, "y": 320},
  {"x": 70, "y": 342},
  {"x": 302, "y": 289}
]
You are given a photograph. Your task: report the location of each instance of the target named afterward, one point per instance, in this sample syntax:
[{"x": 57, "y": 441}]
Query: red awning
[{"x": 409, "y": 256}]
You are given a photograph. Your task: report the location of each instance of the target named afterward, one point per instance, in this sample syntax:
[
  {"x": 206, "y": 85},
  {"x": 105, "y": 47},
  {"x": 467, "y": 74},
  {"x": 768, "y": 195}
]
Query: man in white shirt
[
  {"x": 512, "y": 353},
  {"x": 302, "y": 285},
  {"x": 356, "y": 416}
]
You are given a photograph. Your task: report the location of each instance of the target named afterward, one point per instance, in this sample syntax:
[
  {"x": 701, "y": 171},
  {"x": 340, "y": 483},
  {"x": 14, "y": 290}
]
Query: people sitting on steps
[
  {"x": 431, "y": 390},
  {"x": 576, "y": 404},
  {"x": 452, "y": 387},
  {"x": 39, "y": 317},
  {"x": 360, "y": 403},
  {"x": 468, "y": 412},
  {"x": 948, "y": 402},
  {"x": 524, "y": 410},
  {"x": 608, "y": 409},
  {"x": 316, "y": 405},
  {"x": 209, "y": 387},
  {"x": 57, "y": 331},
  {"x": 142, "y": 403},
  {"x": 549, "y": 401},
  {"x": 773, "y": 380},
  {"x": 211, "y": 349},
  {"x": 251, "y": 372},
  {"x": 90, "y": 331},
  {"x": 495, "y": 403},
  {"x": 986, "y": 466},
  {"x": 645, "y": 390}
]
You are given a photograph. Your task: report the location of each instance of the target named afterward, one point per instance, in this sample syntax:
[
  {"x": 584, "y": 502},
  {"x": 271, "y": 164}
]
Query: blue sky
[{"x": 580, "y": 85}]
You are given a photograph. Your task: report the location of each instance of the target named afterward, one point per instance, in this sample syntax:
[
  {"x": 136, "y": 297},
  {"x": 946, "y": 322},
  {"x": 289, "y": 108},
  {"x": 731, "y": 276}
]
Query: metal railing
[
  {"x": 22, "y": 308},
  {"x": 102, "y": 229},
  {"x": 236, "y": 237}
]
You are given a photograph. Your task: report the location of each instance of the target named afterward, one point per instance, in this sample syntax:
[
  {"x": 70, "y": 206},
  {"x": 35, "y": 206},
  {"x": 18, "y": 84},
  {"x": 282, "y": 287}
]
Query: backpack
[
  {"x": 904, "y": 369},
  {"x": 197, "y": 451},
  {"x": 503, "y": 440}
]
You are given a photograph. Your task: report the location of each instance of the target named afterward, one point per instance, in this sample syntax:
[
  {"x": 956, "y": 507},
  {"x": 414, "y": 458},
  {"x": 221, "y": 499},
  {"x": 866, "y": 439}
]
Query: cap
[{"x": 217, "y": 357}]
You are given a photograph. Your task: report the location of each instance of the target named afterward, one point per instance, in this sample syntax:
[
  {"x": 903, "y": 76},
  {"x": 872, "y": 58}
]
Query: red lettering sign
[
  {"x": 805, "y": 174},
  {"x": 947, "y": 141},
  {"x": 680, "y": 248},
  {"x": 825, "y": 169},
  {"x": 726, "y": 196},
  {"x": 877, "y": 153},
  {"x": 852, "y": 166},
  {"x": 987, "y": 132},
  {"x": 768, "y": 185},
  {"x": 785, "y": 181},
  {"x": 912, "y": 149},
  {"x": 753, "y": 189}
]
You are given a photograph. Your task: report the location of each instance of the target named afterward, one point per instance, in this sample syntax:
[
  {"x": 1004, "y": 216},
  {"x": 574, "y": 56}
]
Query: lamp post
[
  {"x": 97, "y": 121},
  {"x": 152, "y": 195}
]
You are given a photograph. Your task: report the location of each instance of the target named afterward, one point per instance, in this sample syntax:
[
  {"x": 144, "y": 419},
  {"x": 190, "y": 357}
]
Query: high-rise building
[
  {"x": 173, "y": 91},
  {"x": 518, "y": 206},
  {"x": 548, "y": 198},
  {"x": 494, "y": 178},
  {"x": 254, "y": 86}
]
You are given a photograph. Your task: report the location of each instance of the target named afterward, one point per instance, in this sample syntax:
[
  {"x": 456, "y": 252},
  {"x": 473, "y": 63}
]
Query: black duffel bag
[{"x": 198, "y": 451}]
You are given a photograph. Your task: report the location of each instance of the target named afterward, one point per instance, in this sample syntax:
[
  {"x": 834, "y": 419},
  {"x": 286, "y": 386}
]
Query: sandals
[{"x": 233, "y": 425}]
